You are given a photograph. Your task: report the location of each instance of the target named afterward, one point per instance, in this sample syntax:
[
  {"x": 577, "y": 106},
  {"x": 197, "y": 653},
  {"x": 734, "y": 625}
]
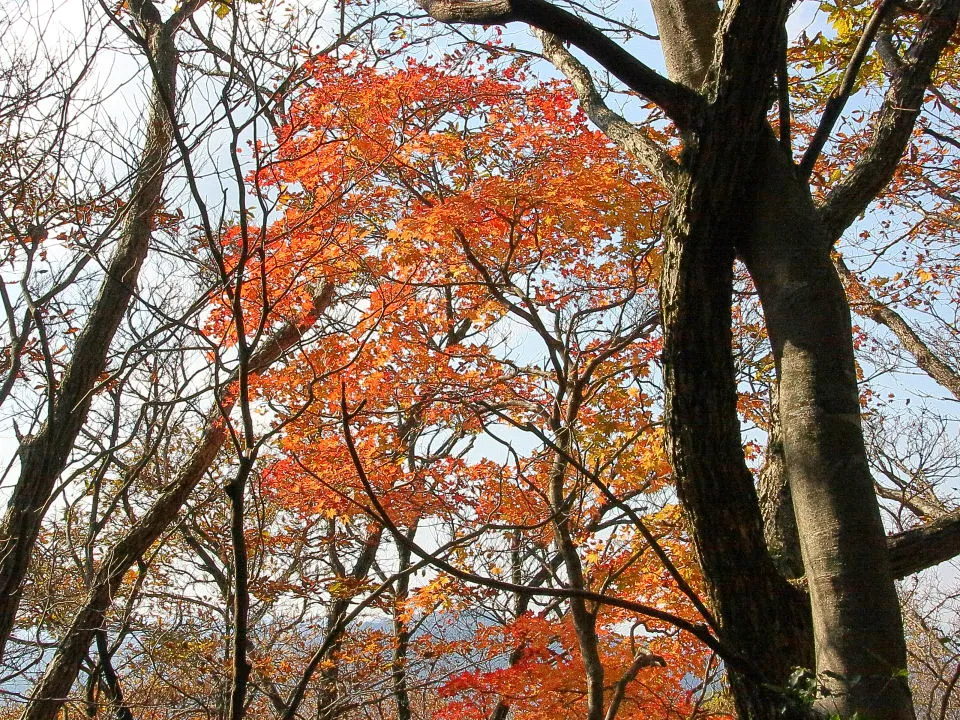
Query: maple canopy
[{"x": 479, "y": 226}]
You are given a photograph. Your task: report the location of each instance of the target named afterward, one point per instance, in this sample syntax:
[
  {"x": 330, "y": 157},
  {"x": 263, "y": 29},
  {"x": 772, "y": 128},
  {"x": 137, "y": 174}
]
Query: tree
[
  {"x": 737, "y": 191},
  {"x": 461, "y": 188},
  {"x": 44, "y": 453},
  {"x": 401, "y": 447},
  {"x": 128, "y": 470}
]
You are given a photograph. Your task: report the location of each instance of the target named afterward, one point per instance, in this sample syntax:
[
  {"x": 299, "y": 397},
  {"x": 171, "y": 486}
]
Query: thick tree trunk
[
  {"x": 742, "y": 195},
  {"x": 856, "y": 614},
  {"x": 762, "y": 618},
  {"x": 687, "y": 33},
  {"x": 43, "y": 457}
]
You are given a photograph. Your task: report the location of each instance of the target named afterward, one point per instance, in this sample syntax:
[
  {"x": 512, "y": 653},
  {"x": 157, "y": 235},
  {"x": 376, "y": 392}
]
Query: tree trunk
[
  {"x": 50, "y": 693},
  {"x": 43, "y": 457},
  {"x": 401, "y": 633},
  {"x": 741, "y": 195},
  {"x": 776, "y": 505},
  {"x": 857, "y": 627},
  {"x": 330, "y": 704},
  {"x": 240, "y": 665},
  {"x": 762, "y": 619},
  {"x": 584, "y": 619}
]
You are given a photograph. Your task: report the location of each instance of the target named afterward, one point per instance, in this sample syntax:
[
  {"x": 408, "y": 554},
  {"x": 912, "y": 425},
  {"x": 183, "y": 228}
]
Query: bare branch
[
  {"x": 50, "y": 693},
  {"x": 895, "y": 123},
  {"x": 863, "y": 303},
  {"x": 838, "y": 99},
  {"x": 926, "y": 546}
]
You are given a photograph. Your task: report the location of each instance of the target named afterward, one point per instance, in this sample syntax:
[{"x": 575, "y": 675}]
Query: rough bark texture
[
  {"x": 760, "y": 615},
  {"x": 740, "y": 193},
  {"x": 44, "y": 456}
]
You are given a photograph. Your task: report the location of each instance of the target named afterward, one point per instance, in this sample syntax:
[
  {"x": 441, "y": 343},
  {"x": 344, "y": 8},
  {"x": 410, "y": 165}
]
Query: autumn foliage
[
  {"x": 472, "y": 224},
  {"x": 416, "y": 378}
]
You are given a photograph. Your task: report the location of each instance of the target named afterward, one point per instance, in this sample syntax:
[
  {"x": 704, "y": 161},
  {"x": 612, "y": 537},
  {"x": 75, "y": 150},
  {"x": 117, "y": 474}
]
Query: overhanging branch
[
  {"x": 681, "y": 104},
  {"x": 924, "y": 547},
  {"x": 631, "y": 138}
]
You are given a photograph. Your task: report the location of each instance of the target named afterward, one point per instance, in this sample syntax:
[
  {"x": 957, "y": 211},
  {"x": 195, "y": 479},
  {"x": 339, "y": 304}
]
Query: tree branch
[
  {"x": 629, "y": 137},
  {"x": 864, "y": 304},
  {"x": 681, "y": 104},
  {"x": 926, "y": 546},
  {"x": 838, "y": 98},
  {"x": 688, "y": 30},
  {"x": 51, "y": 691},
  {"x": 379, "y": 513},
  {"x": 895, "y": 122}
]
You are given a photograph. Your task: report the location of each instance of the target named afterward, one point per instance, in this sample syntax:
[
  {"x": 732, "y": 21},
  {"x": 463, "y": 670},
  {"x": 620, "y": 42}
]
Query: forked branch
[{"x": 895, "y": 123}]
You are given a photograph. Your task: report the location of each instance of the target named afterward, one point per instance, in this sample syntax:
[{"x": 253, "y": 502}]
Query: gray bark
[
  {"x": 857, "y": 627},
  {"x": 760, "y": 615},
  {"x": 915, "y": 550},
  {"x": 776, "y": 505},
  {"x": 688, "y": 37}
]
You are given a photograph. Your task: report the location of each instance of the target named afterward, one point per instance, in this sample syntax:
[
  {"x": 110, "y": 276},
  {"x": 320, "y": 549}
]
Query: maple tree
[{"x": 427, "y": 150}]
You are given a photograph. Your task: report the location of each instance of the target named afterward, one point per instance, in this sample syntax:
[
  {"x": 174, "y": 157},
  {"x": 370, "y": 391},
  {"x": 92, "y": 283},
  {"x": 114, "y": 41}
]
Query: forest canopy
[{"x": 479, "y": 360}]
